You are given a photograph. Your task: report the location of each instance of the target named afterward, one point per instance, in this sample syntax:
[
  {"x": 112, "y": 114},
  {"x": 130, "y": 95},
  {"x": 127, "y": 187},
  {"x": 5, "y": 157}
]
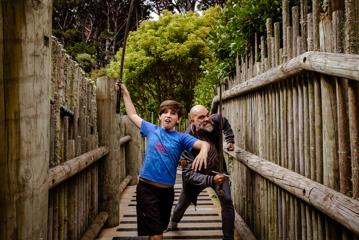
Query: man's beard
[{"x": 207, "y": 128}]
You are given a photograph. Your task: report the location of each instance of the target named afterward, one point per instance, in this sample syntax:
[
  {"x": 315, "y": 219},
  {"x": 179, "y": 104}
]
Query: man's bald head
[
  {"x": 200, "y": 118},
  {"x": 196, "y": 110}
]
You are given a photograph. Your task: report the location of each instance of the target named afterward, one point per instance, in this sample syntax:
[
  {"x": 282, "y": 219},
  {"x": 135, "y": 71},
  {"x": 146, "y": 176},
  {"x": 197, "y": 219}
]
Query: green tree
[
  {"x": 94, "y": 27},
  {"x": 183, "y": 6},
  {"x": 164, "y": 59},
  {"x": 236, "y": 27}
]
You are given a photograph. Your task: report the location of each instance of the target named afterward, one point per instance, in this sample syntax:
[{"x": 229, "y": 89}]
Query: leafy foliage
[
  {"x": 94, "y": 27},
  {"x": 86, "y": 61},
  {"x": 164, "y": 59},
  {"x": 183, "y": 6},
  {"x": 236, "y": 27}
]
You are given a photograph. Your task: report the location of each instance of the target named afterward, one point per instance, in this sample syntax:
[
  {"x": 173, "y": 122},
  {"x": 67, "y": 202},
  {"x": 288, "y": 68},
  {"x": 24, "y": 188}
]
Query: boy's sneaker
[{"x": 172, "y": 226}]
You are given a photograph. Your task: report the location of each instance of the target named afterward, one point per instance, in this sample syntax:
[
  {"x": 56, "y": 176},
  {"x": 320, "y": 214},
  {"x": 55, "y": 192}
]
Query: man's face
[
  {"x": 169, "y": 118},
  {"x": 201, "y": 120}
]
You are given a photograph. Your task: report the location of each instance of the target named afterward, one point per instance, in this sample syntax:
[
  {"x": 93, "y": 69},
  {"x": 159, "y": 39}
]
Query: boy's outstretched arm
[
  {"x": 130, "y": 108},
  {"x": 201, "y": 158}
]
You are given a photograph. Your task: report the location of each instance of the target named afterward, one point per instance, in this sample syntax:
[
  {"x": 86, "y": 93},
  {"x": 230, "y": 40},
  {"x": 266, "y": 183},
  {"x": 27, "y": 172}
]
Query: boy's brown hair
[{"x": 173, "y": 105}]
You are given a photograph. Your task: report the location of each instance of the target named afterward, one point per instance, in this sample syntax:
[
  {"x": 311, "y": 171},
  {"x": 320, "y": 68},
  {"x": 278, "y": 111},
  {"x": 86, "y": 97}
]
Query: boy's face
[{"x": 169, "y": 118}]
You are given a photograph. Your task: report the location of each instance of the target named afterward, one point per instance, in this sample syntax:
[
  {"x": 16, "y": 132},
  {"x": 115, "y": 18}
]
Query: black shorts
[{"x": 154, "y": 207}]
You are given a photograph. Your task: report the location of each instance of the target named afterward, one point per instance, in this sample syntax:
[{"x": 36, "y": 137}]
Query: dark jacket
[{"x": 195, "y": 182}]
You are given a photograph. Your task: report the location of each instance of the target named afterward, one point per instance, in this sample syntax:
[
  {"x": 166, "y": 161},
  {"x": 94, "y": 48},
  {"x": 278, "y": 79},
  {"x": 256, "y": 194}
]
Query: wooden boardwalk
[{"x": 204, "y": 222}]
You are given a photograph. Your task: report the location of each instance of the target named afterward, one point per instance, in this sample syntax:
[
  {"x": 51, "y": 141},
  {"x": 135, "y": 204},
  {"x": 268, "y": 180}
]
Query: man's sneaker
[{"x": 172, "y": 226}]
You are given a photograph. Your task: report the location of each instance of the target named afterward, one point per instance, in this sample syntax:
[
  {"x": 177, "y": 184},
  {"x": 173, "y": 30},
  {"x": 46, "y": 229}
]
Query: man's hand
[
  {"x": 218, "y": 179},
  {"x": 230, "y": 146}
]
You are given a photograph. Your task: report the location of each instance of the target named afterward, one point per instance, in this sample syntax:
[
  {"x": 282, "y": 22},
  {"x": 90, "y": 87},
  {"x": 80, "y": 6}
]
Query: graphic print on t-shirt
[{"x": 159, "y": 147}]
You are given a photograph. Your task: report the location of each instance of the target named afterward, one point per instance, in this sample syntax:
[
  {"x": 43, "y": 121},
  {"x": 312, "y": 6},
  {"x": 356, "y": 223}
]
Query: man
[{"x": 207, "y": 128}]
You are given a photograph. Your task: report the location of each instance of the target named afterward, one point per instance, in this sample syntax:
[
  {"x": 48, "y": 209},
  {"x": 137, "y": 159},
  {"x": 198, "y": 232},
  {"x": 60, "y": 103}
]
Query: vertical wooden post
[
  {"x": 25, "y": 69},
  {"x": 107, "y": 126},
  {"x": 304, "y": 22},
  {"x": 316, "y": 16},
  {"x": 329, "y": 106},
  {"x": 295, "y": 25},
  {"x": 134, "y": 150},
  {"x": 285, "y": 16},
  {"x": 352, "y": 46},
  {"x": 269, "y": 28}
]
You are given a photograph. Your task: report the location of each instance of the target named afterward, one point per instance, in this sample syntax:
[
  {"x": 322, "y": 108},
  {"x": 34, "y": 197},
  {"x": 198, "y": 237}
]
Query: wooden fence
[
  {"x": 84, "y": 178},
  {"x": 296, "y": 120}
]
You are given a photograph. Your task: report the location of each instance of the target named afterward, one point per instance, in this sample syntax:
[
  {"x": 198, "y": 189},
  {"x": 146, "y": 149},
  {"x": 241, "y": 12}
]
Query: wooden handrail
[
  {"x": 242, "y": 228},
  {"x": 124, "y": 183},
  {"x": 334, "y": 64},
  {"x": 338, "y": 206},
  {"x": 125, "y": 139},
  {"x": 71, "y": 167},
  {"x": 96, "y": 226}
]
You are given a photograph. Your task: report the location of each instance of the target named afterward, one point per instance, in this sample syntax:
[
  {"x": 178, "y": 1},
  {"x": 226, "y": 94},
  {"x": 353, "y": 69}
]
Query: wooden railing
[
  {"x": 85, "y": 180},
  {"x": 295, "y": 115},
  {"x": 75, "y": 190}
]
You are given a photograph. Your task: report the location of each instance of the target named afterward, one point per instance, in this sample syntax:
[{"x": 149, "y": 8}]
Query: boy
[{"x": 155, "y": 192}]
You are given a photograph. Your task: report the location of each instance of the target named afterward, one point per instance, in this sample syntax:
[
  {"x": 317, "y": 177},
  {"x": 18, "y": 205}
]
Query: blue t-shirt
[{"x": 164, "y": 148}]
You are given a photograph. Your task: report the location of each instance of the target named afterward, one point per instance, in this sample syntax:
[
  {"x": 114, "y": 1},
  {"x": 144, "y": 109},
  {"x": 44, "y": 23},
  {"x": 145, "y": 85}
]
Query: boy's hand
[
  {"x": 199, "y": 161},
  {"x": 120, "y": 87},
  {"x": 201, "y": 158}
]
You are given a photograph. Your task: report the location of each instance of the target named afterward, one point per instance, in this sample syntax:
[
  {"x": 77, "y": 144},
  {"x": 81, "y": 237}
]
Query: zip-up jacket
[{"x": 195, "y": 182}]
